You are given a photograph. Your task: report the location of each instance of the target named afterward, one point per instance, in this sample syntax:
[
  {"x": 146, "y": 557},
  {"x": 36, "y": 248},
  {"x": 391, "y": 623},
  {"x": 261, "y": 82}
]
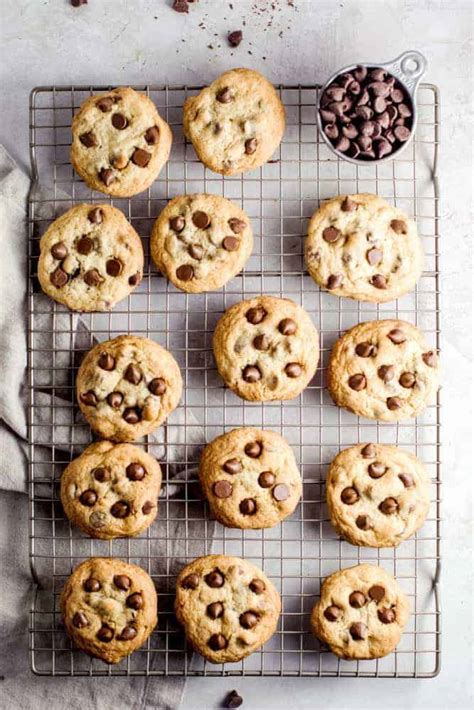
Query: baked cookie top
[
  {"x": 266, "y": 348},
  {"x": 119, "y": 142},
  {"x": 361, "y": 247},
  {"x": 127, "y": 386},
  {"x": 361, "y": 613},
  {"x": 377, "y": 495},
  {"x": 90, "y": 258},
  {"x": 227, "y": 606},
  {"x": 236, "y": 123},
  {"x": 383, "y": 370},
  {"x": 111, "y": 490},
  {"x": 201, "y": 241},
  {"x": 109, "y": 607},
  {"x": 250, "y": 478}
]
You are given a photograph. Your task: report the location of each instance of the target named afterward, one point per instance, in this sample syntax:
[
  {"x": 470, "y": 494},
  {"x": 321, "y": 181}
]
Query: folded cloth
[{"x": 58, "y": 438}]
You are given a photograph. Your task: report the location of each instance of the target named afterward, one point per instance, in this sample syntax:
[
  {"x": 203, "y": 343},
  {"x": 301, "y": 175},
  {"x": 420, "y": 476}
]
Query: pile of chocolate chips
[{"x": 366, "y": 113}]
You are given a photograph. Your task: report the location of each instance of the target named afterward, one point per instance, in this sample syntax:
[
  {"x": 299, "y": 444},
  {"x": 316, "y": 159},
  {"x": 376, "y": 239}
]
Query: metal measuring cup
[{"x": 408, "y": 69}]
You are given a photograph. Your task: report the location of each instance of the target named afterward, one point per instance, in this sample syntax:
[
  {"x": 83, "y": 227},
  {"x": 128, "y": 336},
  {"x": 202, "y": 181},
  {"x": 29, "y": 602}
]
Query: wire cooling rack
[{"x": 297, "y": 554}]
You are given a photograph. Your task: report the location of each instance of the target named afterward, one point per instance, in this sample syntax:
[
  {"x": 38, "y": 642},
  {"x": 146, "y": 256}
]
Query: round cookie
[
  {"x": 361, "y": 613},
  {"x": 111, "y": 490},
  {"x": 361, "y": 247},
  {"x": 236, "y": 123},
  {"x": 227, "y": 606},
  {"x": 266, "y": 348},
  {"x": 201, "y": 241},
  {"x": 377, "y": 495},
  {"x": 383, "y": 370},
  {"x": 250, "y": 478},
  {"x": 109, "y": 607},
  {"x": 127, "y": 386},
  {"x": 119, "y": 142},
  {"x": 90, "y": 258}
]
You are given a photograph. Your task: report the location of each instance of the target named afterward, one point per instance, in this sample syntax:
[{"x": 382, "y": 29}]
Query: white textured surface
[{"x": 123, "y": 42}]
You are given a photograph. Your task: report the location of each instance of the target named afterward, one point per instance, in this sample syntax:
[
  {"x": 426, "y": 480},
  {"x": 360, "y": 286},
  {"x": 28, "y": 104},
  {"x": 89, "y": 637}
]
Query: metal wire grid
[{"x": 297, "y": 554}]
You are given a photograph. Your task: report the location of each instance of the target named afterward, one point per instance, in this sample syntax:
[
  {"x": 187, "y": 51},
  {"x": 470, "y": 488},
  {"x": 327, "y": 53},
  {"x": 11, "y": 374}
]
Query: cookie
[
  {"x": 266, "y": 348},
  {"x": 377, "y": 495},
  {"x": 383, "y": 370},
  {"x": 201, "y": 241},
  {"x": 109, "y": 607},
  {"x": 250, "y": 478},
  {"x": 90, "y": 258},
  {"x": 127, "y": 386},
  {"x": 119, "y": 142},
  {"x": 227, "y": 606},
  {"x": 361, "y": 247},
  {"x": 361, "y": 613},
  {"x": 236, "y": 123},
  {"x": 111, "y": 490}
]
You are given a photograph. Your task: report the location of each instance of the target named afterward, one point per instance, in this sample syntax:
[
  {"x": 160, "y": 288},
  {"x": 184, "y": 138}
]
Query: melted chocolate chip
[
  {"x": 132, "y": 415},
  {"x": 331, "y": 235},
  {"x": 377, "y": 470},
  {"x": 261, "y": 342},
  {"x": 406, "y": 479},
  {"x": 237, "y": 225},
  {"x": 251, "y": 374},
  {"x": 389, "y": 506},
  {"x": 115, "y": 399},
  {"x": 332, "y": 613},
  {"x": 397, "y": 336},
  {"x": 365, "y": 350},
  {"x": 248, "y": 620},
  {"x": 157, "y": 386},
  {"x": 233, "y": 466},
  {"x": 217, "y": 642},
  {"x": 250, "y": 146},
  {"x": 59, "y": 250},
  {"x": 224, "y": 96},
  {"x": 255, "y": 315},
  {"x": 92, "y": 585},
  {"x": 135, "y": 601},
  {"x": 59, "y": 277},
  {"x": 357, "y": 382},
  {"x": 96, "y": 215},
  {"x": 266, "y": 479},
  {"x": 281, "y": 492},
  {"x": 349, "y": 496},
  {"x": 185, "y": 272},
  {"x": 177, "y": 224},
  {"x": 293, "y": 369},
  {"x": 152, "y": 135},
  {"x": 89, "y": 139},
  {"x": 123, "y": 582},
  {"x": 147, "y": 507},
  {"x": 80, "y": 620},
  {"x": 257, "y": 586},
  {"x": 248, "y": 506},
  {"x": 127, "y": 634},
  {"x": 141, "y": 157},
  {"x": 364, "y": 522},
  {"x": 386, "y": 616},
  {"x": 358, "y": 631},
  {"x": 357, "y": 600},
  {"x": 119, "y": 121},
  {"x": 106, "y": 361},
  {"x": 215, "y": 579},
  {"x": 230, "y": 243},
  {"x": 201, "y": 220},
  {"x": 253, "y": 449},
  {"x": 377, "y": 592},
  {"x": 105, "y": 633},
  {"x": 222, "y": 489},
  {"x": 190, "y": 582},
  {"x": 133, "y": 374},
  {"x": 113, "y": 267},
  {"x": 369, "y": 451},
  {"x": 88, "y": 398},
  {"x": 215, "y": 610},
  {"x": 120, "y": 509},
  {"x": 135, "y": 472},
  {"x": 105, "y": 104}
]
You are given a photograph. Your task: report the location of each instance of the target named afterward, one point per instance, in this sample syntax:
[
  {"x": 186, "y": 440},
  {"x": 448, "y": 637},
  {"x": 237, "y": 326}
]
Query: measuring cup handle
[{"x": 409, "y": 67}]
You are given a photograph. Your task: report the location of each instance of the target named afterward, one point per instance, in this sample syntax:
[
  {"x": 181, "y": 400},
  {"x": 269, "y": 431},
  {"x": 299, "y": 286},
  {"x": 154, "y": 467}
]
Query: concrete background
[{"x": 120, "y": 42}]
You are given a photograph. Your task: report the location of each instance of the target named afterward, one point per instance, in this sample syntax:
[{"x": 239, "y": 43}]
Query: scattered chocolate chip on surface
[{"x": 235, "y": 38}]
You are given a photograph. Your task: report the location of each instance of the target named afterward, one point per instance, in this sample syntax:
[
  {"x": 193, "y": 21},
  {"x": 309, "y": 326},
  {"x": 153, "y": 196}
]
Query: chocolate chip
[
  {"x": 233, "y": 700},
  {"x": 113, "y": 267},
  {"x": 358, "y": 631},
  {"x": 349, "y": 205},
  {"x": 59, "y": 250},
  {"x": 237, "y": 225},
  {"x": 95, "y": 215},
  {"x": 78, "y": 3},
  {"x": 201, "y": 220},
  {"x": 261, "y": 342},
  {"x": 357, "y": 382},
  {"x": 377, "y": 469},
  {"x": 429, "y": 359},
  {"x": 235, "y": 38},
  {"x": 230, "y": 243},
  {"x": 92, "y": 585},
  {"x": 349, "y": 496},
  {"x": 327, "y": 116},
  {"x": 248, "y": 506},
  {"x": 394, "y": 403},
  {"x": 397, "y": 336},
  {"x": 251, "y": 374},
  {"x": 157, "y": 386},
  {"x": 386, "y": 616},
  {"x": 365, "y": 349},
  {"x": 334, "y": 281},
  {"x": 332, "y": 613},
  {"x": 233, "y": 466},
  {"x": 105, "y": 104},
  {"x": 377, "y": 592},
  {"x": 396, "y": 95},
  {"x": 379, "y": 281},
  {"x": 185, "y": 272},
  {"x": 364, "y": 143},
  {"x": 402, "y": 133},
  {"x": 332, "y": 131},
  {"x": 147, "y": 507},
  {"x": 256, "y": 315},
  {"x": 88, "y": 398},
  {"x": 222, "y": 489},
  {"x": 287, "y": 326},
  {"x": 133, "y": 374},
  {"x": 106, "y": 361},
  {"x": 132, "y": 415},
  {"x": 342, "y": 144},
  {"x": 115, "y": 399},
  {"x": 379, "y": 105},
  {"x": 127, "y": 634},
  {"x": 123, "y": 582},
  {"x": 250, "y": 146},
  {"x": 135, "y": 279},
  {"x": 360, "y": 73},
  {"x": 331, "y": 234},
  {"x": 190, "y": 582},
  {"x": 119, "y": 121},
  {"x": 224, "y": 96},
  {"x": 364, "y": 112},
  {"x": 107, "y": 176},
  {"x": 215, "y": 610},
  {"x": 140, "y": 157},
  {"x": 120, "y": 509},
  {"x": 92, "y": 277},
  {"x": 335, "y": 93},
  {"x": 196, "y": 251},
  {"x": 281, "y": 492},
  {"x": 135, "y": 472},
  {"x": 88, "y": 497},
  {"x": 105, "y": 633},
  {"x": 80, "y": 620},
  {"x": 404, "y": 110},
  {"x": 266, "y": 479},
  {"x": 217, "y": 642},
  {"x": 257, "y": 586},
  {"x": 374, "y": 256},
  {"x": 369, "y": 451},
  {"x": 386, "y": 372},
  {"x": 398, "y": 226},
  {"x": 135, "y": 601},
  {"x": 177, "y": 224},
  {"x": 406, "y": 479},
  {"x": 215, "y": 579},
  {"x": 389, "y": 506},
  {"x": 364, "y": 522},
  {"x": 248, "y": 620},
  {"x": 253, "y": 449},
  {"x": 377, "y": 74},
  {"x": 152, "y": 135},
  {"x": 379, "y": 88},
  {"x": 59, "y": 278},
  {"x": 89, "y": 139},
  {"x": 407, "y": 380},
  {"x": 181, "y": 5},
  {"x": 293, "y": 369},
  {"x": 357, "y": 600}
]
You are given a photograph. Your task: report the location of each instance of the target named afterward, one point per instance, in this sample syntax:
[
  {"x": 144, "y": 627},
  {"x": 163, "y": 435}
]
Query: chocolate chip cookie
[
  {"x": 109, "y": 607},
  {"x": 111, "y": 490},
  {"x": 90, "y": 258},
  {"x": 383, "y": 370},
  {"x": 250, "y": 478},
  {"x": 266, "y": 348},
  {"x": 227, "y": 606},
  {"x": 236, "y": 123},
  {"x": 361, "y": 247},
  {"x": 361, "y": 613},
  {"x": 377, "y": 495},
  {"x": 201, "y": 241},
  {"x": 127, "y": 386},
  {"x": 119, "y": 142}
]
